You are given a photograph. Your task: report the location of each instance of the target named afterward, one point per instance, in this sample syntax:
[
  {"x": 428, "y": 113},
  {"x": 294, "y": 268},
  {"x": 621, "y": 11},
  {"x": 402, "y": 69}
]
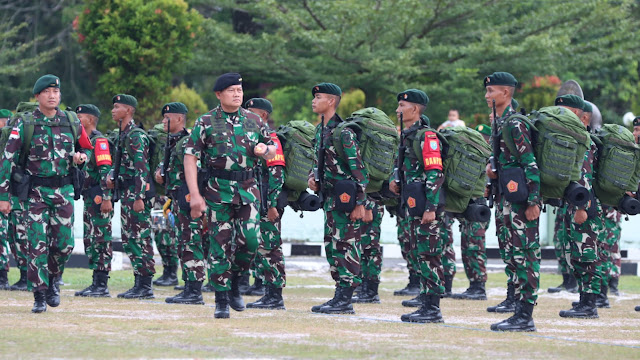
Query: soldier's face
[
  {"x": 3, "y": 122},
  {"x": 119, "y": 112},
  {"x": 586, "y": 118},
  {"x": 409, "y": 111},
  {"x": 321, "y": 103},
  {"x": 264, "y": 115},
  {"x": 498, "y": 93},
  {"x": 86, "y": 120},
  {"x": 49, "y": 98},
  {"x": 176, "y": 122},
  {"x": 636, "y": 133},
  {"x": 231, "y": 97}
]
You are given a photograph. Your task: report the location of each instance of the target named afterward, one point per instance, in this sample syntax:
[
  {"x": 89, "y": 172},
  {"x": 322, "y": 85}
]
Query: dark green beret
[
  {"x": 174, "y": 108},
  {"x": 570, "y": 100},
  {"x": 414, "y": 96},
  {"x": 4, "y": 113},
  {"x": 226, "y": 80},
  {"x": 587, "y": 107},
  {"x": 125, "y": 99},
  {"x": 500, "y": 78},
  {"x": 44, "y": 82},
  {"x": 636, "y": 121},
  {"x": 484, "y": 129},
  {"x": 514, "y": 104},
  {"x": 259, "y": 103},
  {"x": 88, "y": 109},
  {"x": 327, "y": 88}
]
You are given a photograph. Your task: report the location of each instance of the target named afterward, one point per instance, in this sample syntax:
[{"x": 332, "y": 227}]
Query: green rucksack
[
  {"x": 465, "y": 154},
  {"x": 560, "y": 141},
  {"x": 21, "y": 110},
  {"x": 618, "y": 167},
  {"x": 296, "y": 138},
  {"x": 378, "y": 141}
]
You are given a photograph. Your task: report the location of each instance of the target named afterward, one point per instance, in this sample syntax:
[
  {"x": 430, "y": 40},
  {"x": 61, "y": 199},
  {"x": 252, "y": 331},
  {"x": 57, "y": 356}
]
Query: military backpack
[{"x": 296, "y": 138}]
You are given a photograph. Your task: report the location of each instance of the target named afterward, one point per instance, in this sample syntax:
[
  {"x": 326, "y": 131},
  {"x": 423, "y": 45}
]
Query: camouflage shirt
[
  {"x": 175, "y": 169},
  {"x": 97, "y": 173},
  {"x": 337, "y": 168},
  {"x": 134, "y": 164},
  {"x": 588, "y": 166},
  {"x": 225, "y": 141},
  {"x": 50, "y": 153}
]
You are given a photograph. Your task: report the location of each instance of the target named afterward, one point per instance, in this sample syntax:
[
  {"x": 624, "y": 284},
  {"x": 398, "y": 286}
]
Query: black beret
[
  {"x": 174, "y": 108},
  {"x": 327, "y": 88},
  {"x": 4, "y": 113},
  {"x": 484, "y": 129},
  {"x": 44, "y": 82},
  {"x": 570, "y": 100},
  {"x": 414, "y": 96},
  {"x": 500, "y": 78},
  {"x": 88, "y": 109},
  {"x": 259, "y": 103},
  {"x": 226, "y": 80},
  {"x": 125, "y": 99},
  {"x": 636, "y": 121}
]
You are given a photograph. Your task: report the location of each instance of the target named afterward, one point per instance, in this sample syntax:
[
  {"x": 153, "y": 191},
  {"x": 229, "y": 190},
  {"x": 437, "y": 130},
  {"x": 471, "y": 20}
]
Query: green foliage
[
  {"x": 291, "y": 103},
  {"x": 539, "y": 92},
  {"x": 191, "y": 99},
  {"x": 352, "y": 100},
  {"x": 137, "y": 46}
]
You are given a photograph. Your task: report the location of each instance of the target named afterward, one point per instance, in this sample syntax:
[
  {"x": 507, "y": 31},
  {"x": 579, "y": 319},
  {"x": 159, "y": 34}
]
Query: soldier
[
  {"x": 343, "y": 190},
  {"x": 167, "y": 245},
  {"x": 449, "y": 254},
  {"x": 404, "y": 238},
  {"x": 136, "y": 203},
  {"x": 521, "y": 219},
  {"x": 371, "y": 263},
  {"x": 229, "y": 141},
  {"x": 98, "y": 209},
  {"x": 569, "y": 282},
  {"x": 51, "y": 151},
  {"x": 421, "y": 193},
  {"x": 5, "y": 115}
]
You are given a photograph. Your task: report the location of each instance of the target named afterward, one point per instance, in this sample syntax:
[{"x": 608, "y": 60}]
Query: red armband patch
[
  {"x": 431, "y": 152},
  {"x": 279, "y": 158},
  {"x": 102, "y": 153}
]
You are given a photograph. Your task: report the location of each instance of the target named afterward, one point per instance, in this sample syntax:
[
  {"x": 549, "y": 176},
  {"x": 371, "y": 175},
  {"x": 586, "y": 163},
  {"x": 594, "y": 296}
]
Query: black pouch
[
  {"x": 282, "y": 199},
  {"x": 183, "y": 198},
  {"x": 20, "y": 185},
  {"x": 77, "y": 178},
  {"x": 95, "y": 194},
  {"x": 203, "y": 178},
  {"x": 592, "y": 210},
  {"x": 513, "y": 184},
  {"x": 415, "y": 198},
  {"x": 344, "y": 192}
]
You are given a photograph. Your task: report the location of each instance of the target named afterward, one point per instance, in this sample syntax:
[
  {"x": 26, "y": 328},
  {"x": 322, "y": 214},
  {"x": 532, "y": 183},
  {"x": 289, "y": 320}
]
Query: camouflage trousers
[
  {"x": 49, "y": 224},
  {"x": 371, "y": 263},
  {"x": 524, "y": 250},
  {"x": 233, "y": 237},
  {"x": 97, "y": 236},
  {"x": 17, "y": 238},
  {"x": 167, "y": 245},
  {"x": 580, "y": 249},
  {"x": 4, "y": 243},
  {"x": 429, "y": 247},
  {"x": 190, "y": 247},
  {"x": 342, "y": 246},
  {"x": 269, "y": 260},
  {"x": 610, "y": 245},
  {"x": 404, "y": 238},
  {"x": 136, "y": 235},
  {"x": 504, "y": 246},
  {"x": 560, "y": 235},
  {"x": 473, "y": 247},
  {"x": 449, "y": 253}
]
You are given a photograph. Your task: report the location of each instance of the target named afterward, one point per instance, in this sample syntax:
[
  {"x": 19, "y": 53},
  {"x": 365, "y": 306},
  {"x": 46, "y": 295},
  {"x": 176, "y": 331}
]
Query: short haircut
[{"x": 456, "y": 110}]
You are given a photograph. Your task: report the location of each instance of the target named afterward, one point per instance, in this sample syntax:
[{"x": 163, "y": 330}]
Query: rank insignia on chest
[
  {"x": 345, "y": 198},
  {"x": 411, "y": 202},
  {"x": 512, "y": 186}
]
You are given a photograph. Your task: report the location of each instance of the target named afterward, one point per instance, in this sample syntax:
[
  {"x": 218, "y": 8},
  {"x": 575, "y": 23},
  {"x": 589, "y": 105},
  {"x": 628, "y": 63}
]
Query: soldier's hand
[
  {"x": 198, "y": 206},
  {"x": 79, "y": 158},
  {"x": 158, "y": 177},
  {"x": 368, "y": 216},
  {"x": 312, "y": 184},
  {"x": 138, "y": 205},
  {"x": 580, "y": 217},
  {"x": 260, "y": 149},
  {"x": 428, "y": 217},
  {"x": 106, "y": 206},
  {"x": 5, "y": 207},
  {"x": 393, "y": 186},
  {"x": 490, "y": 173},
  {"x": 532, "y": 212},
  {"x": 357, "y": 213},
  {"x": 272, "y": 214},
  {"x": 110, "y": 183}
]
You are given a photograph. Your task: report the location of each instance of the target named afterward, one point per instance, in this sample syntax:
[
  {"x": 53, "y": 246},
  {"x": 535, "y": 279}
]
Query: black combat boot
[
  {"x": 144, "y": 290},
  {"x": 244, "y": 284},
  {"x": 272, "y": 300},
  {"x": 521, "y": 321},
  {"x": 256, "y": 304},
  {"x": 448, "y": 283},
  {"x": 207, "y": 288},
  {"x": 191, "y": 295},
  {"x": 235, "y": 298},
  {"x": 336, "y": 295},
  {"x": 429, "y": 311},
  {"x": 637, "y": 308},
  {"x": 412, "y": 288},
  {"x": 21, "y": 284},
  {"x": 415, "y": 302},
  {"x": 569, "y": 284},
  {"x": 136, "y": 283},
  {"x": 508, "y": 305},
  {"x": 602, "y": 300},
  {"x": 342, "y": 304},
  {"x": 88, "y": 288},
  {"x": 100, "y": 285},
  {"x": 169, "y": 276},
  {"x": 59, "y": 280},
  {"x": 475, "y": 291},
  {"x": 257, "y": 289},
  {"x": 39, "y": 303},
  {"x": 165, "y": 272},
  {"x": 579, "y": 302},
  {"x": 359, "y": 288},
  {"x": 370, "y": 296},
  {"x": 613, "y": 286},
  {"x": 53, "y": 292},
  {"x": 4, "y": 281},
  {"x": 222, "y": 305},
  {"x": 586, "y": 309}
]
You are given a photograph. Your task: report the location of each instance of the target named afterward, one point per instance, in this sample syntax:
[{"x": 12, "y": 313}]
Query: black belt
[
  {"x": 52, "y": 182},
  {"x": 231, "y": 175}
]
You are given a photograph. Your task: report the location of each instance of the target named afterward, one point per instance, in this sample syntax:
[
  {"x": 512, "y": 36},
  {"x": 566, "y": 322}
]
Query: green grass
[{"x": 115, "y": 328}]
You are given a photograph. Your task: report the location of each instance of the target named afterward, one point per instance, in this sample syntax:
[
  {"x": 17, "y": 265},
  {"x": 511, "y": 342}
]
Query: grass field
[{"x": 115, "y": 328}]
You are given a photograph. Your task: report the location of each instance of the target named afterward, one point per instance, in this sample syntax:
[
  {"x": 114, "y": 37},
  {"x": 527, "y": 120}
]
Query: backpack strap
[
  {"x": 508, "y": 140},
  {"x": 127, "y": 140},
  {"x": 336, "y": 136}
]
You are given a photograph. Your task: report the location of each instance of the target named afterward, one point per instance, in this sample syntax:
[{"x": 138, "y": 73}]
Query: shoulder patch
[
  {"x": 431, "y": 152},
  {"x": 102, "y": 153}
]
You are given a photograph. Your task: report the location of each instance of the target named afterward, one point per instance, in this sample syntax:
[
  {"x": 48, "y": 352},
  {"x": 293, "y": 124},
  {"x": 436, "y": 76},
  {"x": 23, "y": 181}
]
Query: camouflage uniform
[
  {"x": 49, "y": 209},
  {"x": 449, "y": 256},
  {"x": 474, "y": 256},
  {"x": 97, "y": 225},
  {"x": 167, "y": 244},
  {"x": 559, "y": 231},
  {"x": 225, "y": 143},
  {"x": 341, "y": 235},
  {"x": 610, "y": 244},
  {"x": 371, "y": 263},
  {"x": 4, "y": 248}
]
